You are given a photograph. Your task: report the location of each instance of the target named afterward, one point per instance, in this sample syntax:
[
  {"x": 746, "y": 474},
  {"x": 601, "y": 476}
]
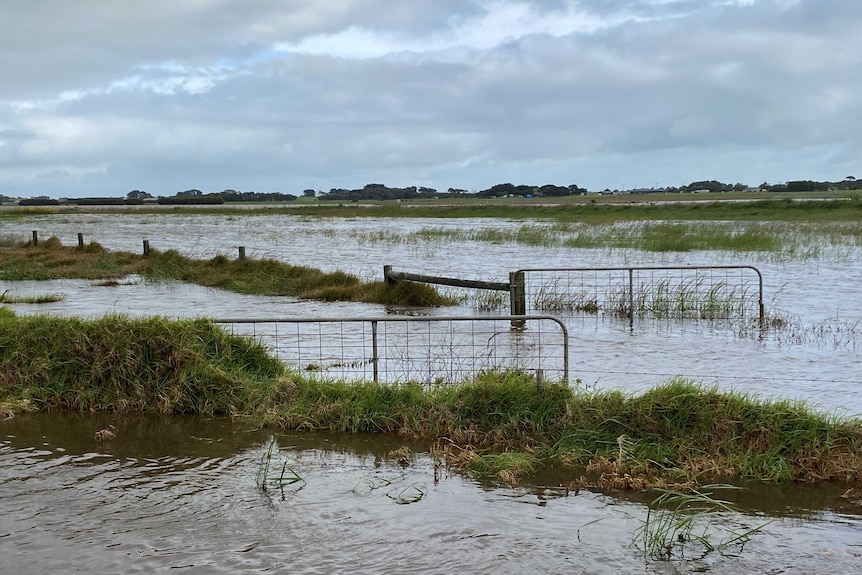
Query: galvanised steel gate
[
  {"x": 698, "y": 292},
  {"x": 426, "y": 349}
]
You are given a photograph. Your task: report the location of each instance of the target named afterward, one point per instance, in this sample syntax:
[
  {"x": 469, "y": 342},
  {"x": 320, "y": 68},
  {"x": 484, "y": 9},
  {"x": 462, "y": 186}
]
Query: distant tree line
[
  {"x": 548, "y": 190},
  {"x": 383, "y": 192},
  {"x": 850, "y": 183},
  {"x": 235, "y": 196},
  {"x": 379, "y": 192},
  {"x": 196, "y": 197}
]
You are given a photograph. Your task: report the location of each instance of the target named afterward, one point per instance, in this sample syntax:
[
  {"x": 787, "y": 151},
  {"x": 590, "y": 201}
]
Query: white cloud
[{"x": 500, "y": 22}]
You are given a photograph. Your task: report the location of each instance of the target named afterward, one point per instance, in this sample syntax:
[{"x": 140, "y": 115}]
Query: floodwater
[
  {"x": 180, "y": 493},
  {"x": 815, "y": 359}
]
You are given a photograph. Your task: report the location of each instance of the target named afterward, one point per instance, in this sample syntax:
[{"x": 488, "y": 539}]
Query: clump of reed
[
  {"x": 659, "y": 299},
  {"x": 555, "y": 299},
  {"x": 8, "y": 241},
  {"x": 691, "y": 298},
  {"x": 9, "y": 409},
  {"x": 677, "y": 520},
  {"x": 487, "y": 300},
  {"x": 265, "y": 473}
]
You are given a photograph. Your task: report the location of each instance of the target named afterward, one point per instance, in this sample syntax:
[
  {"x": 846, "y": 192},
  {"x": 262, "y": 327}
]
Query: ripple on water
[{"x": 180, "y": 494}]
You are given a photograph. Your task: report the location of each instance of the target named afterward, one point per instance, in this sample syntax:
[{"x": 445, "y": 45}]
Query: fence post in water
[
  {"x": 242, "y": 252},
  {"x": 387, "y": 281},
  {"x": 374, "y": 348},
  {"x": 517, "y": 298},
  {"x": 146, "y": 248},
  {"x": 631, "y": 295},
  {"x": 35, "y": 238},
  {"x": 80, "y": 240}
]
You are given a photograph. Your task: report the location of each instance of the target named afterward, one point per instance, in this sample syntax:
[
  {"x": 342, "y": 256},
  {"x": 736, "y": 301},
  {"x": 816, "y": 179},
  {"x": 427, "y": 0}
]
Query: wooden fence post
[{"x": 517, "y": 298}]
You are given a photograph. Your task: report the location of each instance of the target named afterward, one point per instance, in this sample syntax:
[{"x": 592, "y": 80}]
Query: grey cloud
[
  {"x": 50, "y": 46},
  {"x": 738, "y": 93}
]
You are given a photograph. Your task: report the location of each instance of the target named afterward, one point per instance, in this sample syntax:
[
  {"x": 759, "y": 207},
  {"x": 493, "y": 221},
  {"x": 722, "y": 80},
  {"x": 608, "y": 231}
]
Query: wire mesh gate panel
[
  {"x": 699, "y": 292},
  {"x": 426, "y": 349}
]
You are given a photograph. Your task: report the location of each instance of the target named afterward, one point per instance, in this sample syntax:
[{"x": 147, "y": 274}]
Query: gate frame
[{"x": 374, "y": 321}]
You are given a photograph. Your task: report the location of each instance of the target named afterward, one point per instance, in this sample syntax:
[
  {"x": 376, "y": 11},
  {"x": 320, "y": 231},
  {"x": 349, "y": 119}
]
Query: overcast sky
[{"x": 100, "y": 97}]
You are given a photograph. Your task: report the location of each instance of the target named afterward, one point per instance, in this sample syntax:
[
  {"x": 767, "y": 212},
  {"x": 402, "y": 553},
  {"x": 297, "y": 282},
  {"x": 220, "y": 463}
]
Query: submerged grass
[
  {"x": 789, "y": 240},
  {"x": 677, "y": 520},
  {"x": 31, "y": 299},
  {"x": 498, "y": 423},
  {"x": 661, "y": 298},
  {"x": 51, "y": 260}
]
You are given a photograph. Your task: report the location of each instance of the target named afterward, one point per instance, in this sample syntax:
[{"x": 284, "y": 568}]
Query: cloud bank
[{"x": 99, "y": 97}]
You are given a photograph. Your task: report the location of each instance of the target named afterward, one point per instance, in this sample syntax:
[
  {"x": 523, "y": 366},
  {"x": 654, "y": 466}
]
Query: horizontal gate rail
[
  {"x": 389, "y": 276},
  {"x": 431, "y": 349}
]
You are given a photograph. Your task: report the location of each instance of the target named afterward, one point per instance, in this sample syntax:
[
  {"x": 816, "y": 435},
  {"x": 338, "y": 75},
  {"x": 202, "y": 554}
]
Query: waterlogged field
[
  {"x": 356, "y": 505},
  {"x": 811, "y": 277}
]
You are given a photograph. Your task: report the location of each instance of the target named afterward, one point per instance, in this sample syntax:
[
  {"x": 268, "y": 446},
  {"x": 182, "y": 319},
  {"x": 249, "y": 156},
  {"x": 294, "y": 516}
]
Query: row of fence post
[{"x": 146, "y": 245}]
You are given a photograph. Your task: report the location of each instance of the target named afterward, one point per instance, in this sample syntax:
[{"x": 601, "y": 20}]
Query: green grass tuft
[{"x": 121, "y": 364}]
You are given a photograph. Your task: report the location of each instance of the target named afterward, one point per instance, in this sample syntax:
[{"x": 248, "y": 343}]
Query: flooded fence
[
  {"x": 424, "y": 349},
  {"x": 697, "y": 292}
]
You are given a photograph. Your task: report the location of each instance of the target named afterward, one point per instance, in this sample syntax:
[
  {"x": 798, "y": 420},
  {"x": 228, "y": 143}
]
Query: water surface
[{"x": 179, "y": 494}]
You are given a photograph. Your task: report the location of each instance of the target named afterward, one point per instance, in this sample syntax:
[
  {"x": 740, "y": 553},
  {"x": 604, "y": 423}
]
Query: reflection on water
[{"x": 179, "y": 493}]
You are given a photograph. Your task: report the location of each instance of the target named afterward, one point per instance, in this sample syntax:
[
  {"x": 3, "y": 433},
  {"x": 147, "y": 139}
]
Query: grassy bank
[
  {"x": 51, "y": 260},
  {"x": 121, "y": 364},
  {"x": 503, "y": 424},
  {"x": 500, "y": 423}
]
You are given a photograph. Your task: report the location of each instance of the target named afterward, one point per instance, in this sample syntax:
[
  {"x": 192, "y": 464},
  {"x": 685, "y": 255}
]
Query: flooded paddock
[
  {"x": 179, "y": 494},
  {"x": 813, "y": 358}
]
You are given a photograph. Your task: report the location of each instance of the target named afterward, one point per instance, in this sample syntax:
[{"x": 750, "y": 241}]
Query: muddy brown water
[{"x": 179, "y": 494}]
